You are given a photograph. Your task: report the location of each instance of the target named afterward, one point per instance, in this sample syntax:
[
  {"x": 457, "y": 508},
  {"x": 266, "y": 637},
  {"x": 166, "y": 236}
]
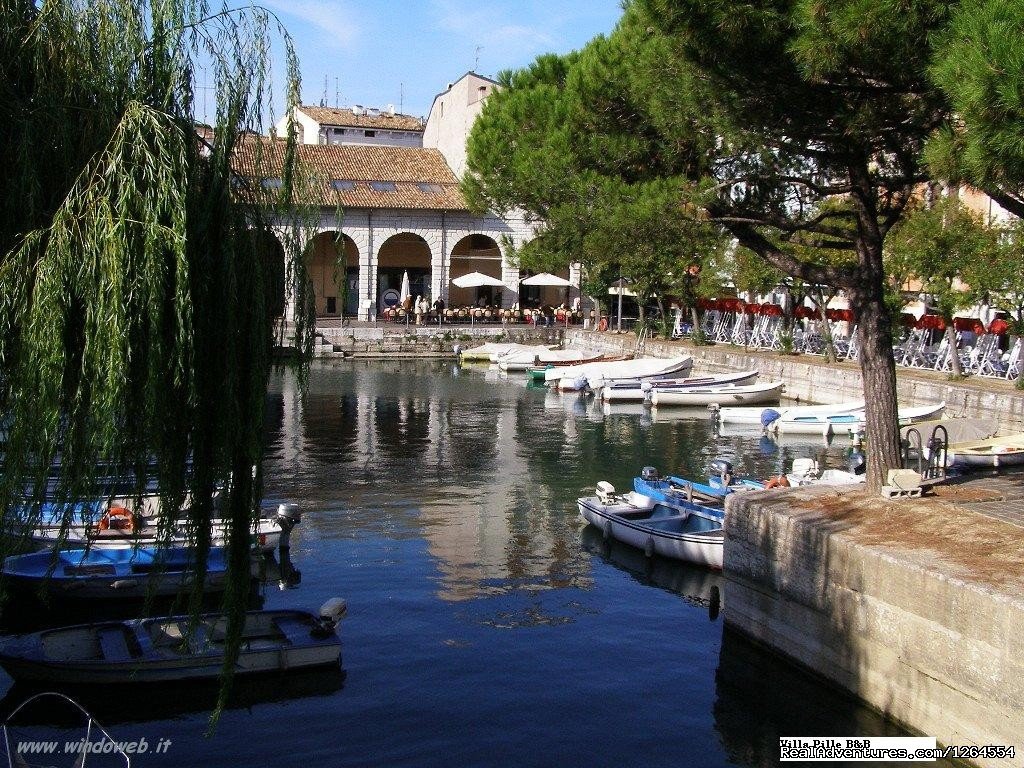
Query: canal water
[{"x": 487, "y": 625}]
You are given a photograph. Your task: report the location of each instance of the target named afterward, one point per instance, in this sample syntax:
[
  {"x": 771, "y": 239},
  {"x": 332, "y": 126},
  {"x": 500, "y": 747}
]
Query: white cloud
[
  {"x": 490, "y": 26},
  {"x": 336, "y": 21}
]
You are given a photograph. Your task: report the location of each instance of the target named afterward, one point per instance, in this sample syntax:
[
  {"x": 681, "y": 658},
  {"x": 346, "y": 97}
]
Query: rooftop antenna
[
  {"x": 323, "y": 99},
  {"x": 337, "y": 93},
  {"x": 401, "y": 98},
  {"x": 476, "y": 58}
]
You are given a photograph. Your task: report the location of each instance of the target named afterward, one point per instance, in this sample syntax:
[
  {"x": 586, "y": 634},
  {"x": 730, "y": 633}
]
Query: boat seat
[
  {"x": 113, "y": 644},
  {"x": 293, "y": 628}
]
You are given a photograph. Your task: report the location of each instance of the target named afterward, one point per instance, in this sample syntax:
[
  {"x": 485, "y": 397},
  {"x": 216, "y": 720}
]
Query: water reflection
[
  {"x": 133, "y": 702},
  {"x": 698, "y": 586},
  {"x": 760, "y": 697}
]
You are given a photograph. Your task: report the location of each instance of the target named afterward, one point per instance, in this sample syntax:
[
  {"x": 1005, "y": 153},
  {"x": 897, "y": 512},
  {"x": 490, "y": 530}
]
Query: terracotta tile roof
[
  {"x": 421, "y": 177},
  {"x": 345, "y": 118}
]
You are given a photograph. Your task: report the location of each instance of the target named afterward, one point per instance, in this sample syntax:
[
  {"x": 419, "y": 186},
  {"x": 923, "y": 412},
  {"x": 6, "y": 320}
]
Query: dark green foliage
[{"x": 137, "y": 290}]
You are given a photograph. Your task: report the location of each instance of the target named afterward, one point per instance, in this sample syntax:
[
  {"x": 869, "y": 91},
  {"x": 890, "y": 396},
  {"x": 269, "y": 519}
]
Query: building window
[
  {"x": 429, "y": 189},
  {"x": 383, "y": 186},
  {"x": 343, "y": 185},
  {"x": 369, "y": 133}
]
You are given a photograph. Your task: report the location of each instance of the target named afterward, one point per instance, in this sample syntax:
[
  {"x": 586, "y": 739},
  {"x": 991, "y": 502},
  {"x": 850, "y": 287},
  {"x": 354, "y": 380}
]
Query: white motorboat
[
  {"x": 521, "y": 360},
  {"x": 491, "y": 350},
  {"x": 679, "y": 530},
  {"x": 639, "y": 389},
  {"x": 597, "y": 374},
  {"x": 766, "y": 392},
  {"x": 996, "y": 452},
  {"x": 162, "y": 650},
  {"x": 807, "y": 472},
  {"x": 102, "y": 525},
  {"x": 854, "y": 421},
  {"x": 753, "y": 416}
]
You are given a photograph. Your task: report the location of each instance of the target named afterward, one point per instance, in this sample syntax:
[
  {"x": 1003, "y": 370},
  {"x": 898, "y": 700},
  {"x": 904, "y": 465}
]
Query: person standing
[{"x": 421, "y": 309}]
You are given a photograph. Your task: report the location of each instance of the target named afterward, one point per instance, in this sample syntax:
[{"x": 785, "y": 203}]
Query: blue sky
[{"x": 374, "y": 51}]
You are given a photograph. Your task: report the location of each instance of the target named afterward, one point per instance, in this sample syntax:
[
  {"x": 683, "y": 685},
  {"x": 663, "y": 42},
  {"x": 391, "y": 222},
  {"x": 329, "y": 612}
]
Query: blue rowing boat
[
  {"x": 113, "y": 573},
  {"x": 672, "y": 489}
]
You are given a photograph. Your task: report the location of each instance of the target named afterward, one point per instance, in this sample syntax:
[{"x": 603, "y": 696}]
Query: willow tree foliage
[{"x": 135, "y": 270}]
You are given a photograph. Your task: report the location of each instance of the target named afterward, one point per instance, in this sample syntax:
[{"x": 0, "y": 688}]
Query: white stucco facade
[
  {"x": 452, "y": 115},
  {"x": 442, "y": 231}
]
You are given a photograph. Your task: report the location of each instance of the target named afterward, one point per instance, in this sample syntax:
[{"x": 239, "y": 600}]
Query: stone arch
[
  {"x": 475, "y": 253},
  {"x": 332, "y": 266},
  {"x": 270, "y": 250},
  {"x": 403, "y": 252}
]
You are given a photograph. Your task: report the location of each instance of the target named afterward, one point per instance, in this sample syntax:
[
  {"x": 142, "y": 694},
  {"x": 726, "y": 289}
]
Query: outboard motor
[
  {"x": 605, "y": 492},
  {"x": 857, "y": 462},
  {"x": 769, "y": 416},
  {"x": 721, "y": 472},
  {"x": 288, "y": 516},
  {"x": 331, "y": 613},
  {"x": 649, "y": 474}
]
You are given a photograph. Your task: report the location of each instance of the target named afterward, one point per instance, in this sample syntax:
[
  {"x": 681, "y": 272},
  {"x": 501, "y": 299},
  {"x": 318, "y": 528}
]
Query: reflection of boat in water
[
  {"x": 698, "y": 586},
  {"x": 130, "y": 703}
]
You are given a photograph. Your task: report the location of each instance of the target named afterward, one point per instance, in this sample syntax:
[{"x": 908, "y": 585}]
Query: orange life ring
[
  {"x": 603, "y": 325},
  {"x": 118, "y": 519},
  {"x": 777, "y": 482}
]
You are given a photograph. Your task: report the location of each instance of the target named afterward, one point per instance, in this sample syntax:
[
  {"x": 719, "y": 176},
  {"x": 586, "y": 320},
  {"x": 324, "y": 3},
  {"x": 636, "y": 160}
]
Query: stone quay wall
[
  {"x": 916, "y": 606},
  {"x": 398, "y": 341}
]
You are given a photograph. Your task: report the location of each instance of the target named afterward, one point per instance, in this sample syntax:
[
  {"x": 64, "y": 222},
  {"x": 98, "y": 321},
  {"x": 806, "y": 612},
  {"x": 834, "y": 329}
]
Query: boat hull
[
  {"x": 769, "y": 392},
  {"x": 141, "y": 651},
  {"x": 640, "y": 390},
  {"x": 111, "y": 574},
  {"x": 266, "y": 536},
  {"x": 654, "y": 535},
  {"x": 993, "y": 453}
]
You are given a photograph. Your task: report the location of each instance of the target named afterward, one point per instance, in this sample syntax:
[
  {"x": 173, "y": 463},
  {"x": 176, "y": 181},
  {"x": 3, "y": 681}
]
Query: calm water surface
[{"x": 487, "y": 626}]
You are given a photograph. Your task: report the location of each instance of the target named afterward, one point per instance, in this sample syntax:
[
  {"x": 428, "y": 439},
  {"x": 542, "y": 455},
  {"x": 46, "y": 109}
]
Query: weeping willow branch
[{"x": 138, "y": 287}]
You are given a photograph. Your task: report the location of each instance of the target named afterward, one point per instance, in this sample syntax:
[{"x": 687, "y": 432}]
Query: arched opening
[
  {"x": 399, "y": 254},
  {"x": 270, "y": 251},
  {"x": 475, "y": 253},
  {"x": 537, "y": 296},
  {"x": 332, "y": 266}
]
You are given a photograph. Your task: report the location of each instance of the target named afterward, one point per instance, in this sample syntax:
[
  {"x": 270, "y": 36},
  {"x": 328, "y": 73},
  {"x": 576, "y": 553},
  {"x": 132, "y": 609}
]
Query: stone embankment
[
  {"x": 398, "y": 341},
  {"x": 915, "y": 606}
]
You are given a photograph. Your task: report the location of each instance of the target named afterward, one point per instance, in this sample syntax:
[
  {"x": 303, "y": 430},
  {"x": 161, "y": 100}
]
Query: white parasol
[
  {"x": 476, "y": 280},
  {"x": 546, "y": 278}
]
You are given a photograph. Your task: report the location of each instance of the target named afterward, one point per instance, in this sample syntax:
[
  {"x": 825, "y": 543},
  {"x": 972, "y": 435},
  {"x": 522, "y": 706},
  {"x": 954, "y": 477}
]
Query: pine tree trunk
[
  {"x": 954, "y": 353},
  {"x": 878, "y": 369}
]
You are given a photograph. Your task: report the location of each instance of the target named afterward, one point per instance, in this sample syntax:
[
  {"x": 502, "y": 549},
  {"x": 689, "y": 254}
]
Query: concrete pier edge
[{"x": 913, "y": 606}]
